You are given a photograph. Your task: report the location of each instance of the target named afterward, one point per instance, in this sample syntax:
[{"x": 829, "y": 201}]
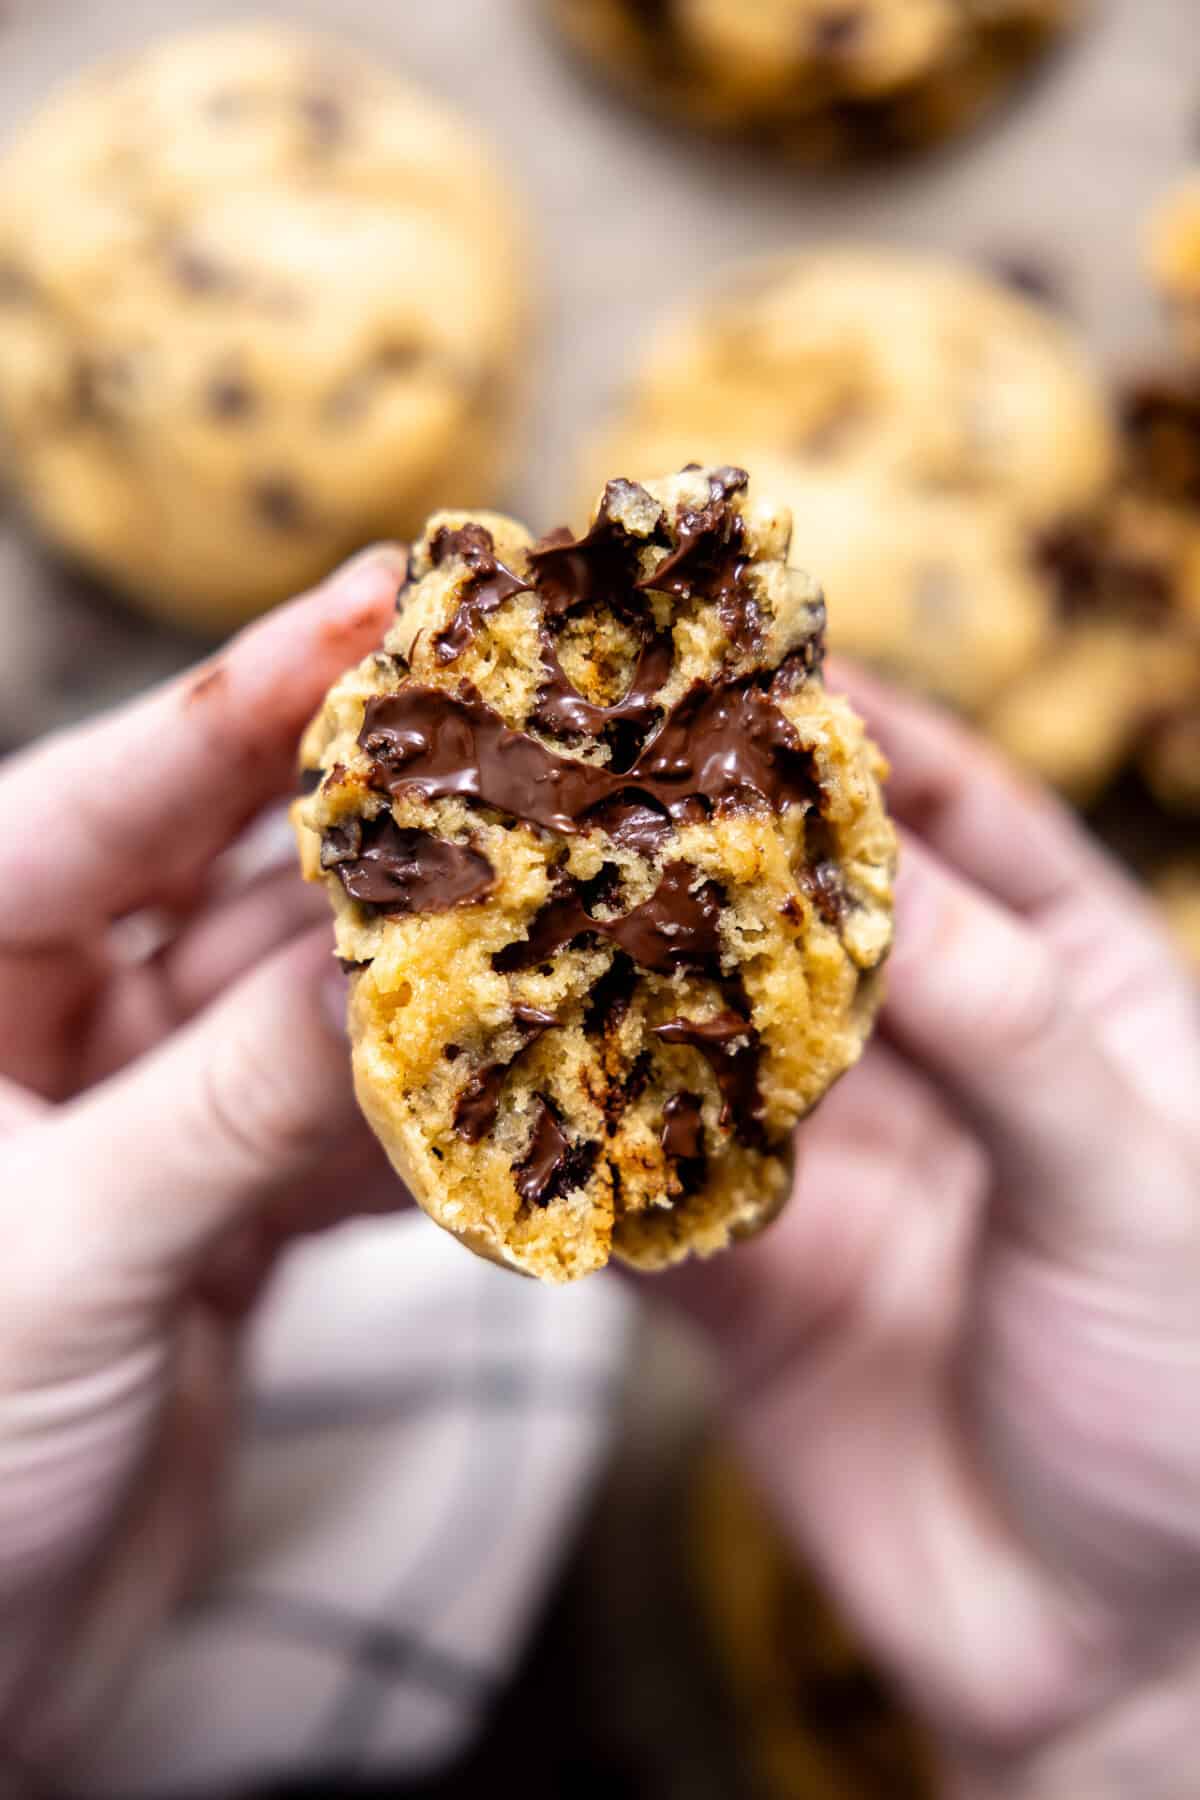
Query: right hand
[{"x": 965, "y": 1364}]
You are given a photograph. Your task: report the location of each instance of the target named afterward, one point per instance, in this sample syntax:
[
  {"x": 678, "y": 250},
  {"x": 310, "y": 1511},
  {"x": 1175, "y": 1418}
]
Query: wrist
[{"x": 1146, "y": 1743}]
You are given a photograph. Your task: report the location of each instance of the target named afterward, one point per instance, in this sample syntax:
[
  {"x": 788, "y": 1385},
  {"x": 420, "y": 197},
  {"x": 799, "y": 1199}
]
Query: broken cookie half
[{"x": 611, "y": 872}]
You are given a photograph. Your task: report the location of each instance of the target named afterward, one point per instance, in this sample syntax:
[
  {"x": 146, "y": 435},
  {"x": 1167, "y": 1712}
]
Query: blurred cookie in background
[
  {"x": 819, "y": 1721},
  {"x": 1177, "y": 889},
  {"x": 825, "y": 80},
  {"x": 261, "y": 302},
  {"x": 930, "y": 428},
  {"x": 1173, "y": 250},
  {"x": 1129, "y": 591}
]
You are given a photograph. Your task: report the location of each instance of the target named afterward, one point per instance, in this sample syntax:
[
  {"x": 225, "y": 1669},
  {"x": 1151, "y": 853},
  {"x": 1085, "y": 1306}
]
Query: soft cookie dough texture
[
  {"x": 821, "y": 79},
  {"x": 611, "y": 870},
  {"x": 260, "y": 303}
]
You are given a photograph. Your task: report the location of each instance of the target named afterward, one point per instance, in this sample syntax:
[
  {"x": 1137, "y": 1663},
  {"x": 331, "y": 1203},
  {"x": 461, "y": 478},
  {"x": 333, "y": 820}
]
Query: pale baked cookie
[
  {"x": 1177, "y": 889},
  {"x": 1119, "y": 688},
  {"x": 243, "y": 325},
  {"x": 821, "y": 79},
  {"x": 611, "y": 871},
  {"x": 928, "y": 427},
  {"x": 1173, "y": 249}
]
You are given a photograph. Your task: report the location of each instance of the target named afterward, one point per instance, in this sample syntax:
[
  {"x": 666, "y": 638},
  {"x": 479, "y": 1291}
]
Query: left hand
[{"x": 166, "y": 1127}]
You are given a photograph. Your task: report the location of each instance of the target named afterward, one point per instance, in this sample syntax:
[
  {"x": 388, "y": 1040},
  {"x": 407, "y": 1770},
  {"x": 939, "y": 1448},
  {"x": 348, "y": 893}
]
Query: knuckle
[
  {"x": 1028, "y": 1004},
  {"x": 251, "y": 1112}
]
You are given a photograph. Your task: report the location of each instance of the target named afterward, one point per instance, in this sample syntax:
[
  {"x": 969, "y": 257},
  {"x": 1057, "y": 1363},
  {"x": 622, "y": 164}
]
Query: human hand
[
  {"x": 965, "y": 1364},
  {"x": 166, "y": 1127}
]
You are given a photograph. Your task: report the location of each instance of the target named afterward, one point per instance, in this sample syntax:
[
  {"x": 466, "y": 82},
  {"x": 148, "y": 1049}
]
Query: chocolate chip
[
  {"x": 230, "y": 397},
  {"x": 393, "y": 870},
  {"x": 677, "y": 928},
  {"x": 683, "y": 1140},
  {"x": 824, "y": 885},
  {"x": 476, "y": 1108},
  {"x": 488, "y": 585},
  {"x": 833, "y": 32},
  {"x": 609, "y": 999},
  {"x": 709, "y": 560},
  {"x": 279, "y": 503},
  {"x": 729, "y": 1043},
  {"x": 1029, "y": 277},
  {"x": 562, "y": 711},
  {"x": 16, "y": 287},
  {"x": 552, "y": 1165},
  {"x": 723, "y": 746},
  {"x": 598, "y": 568},
  {"x": 452, "y": 1052},
  {"x": 200, "y": 273},
  {"x": 326, "y": 116},
  {"x": 309, "y": 780}
]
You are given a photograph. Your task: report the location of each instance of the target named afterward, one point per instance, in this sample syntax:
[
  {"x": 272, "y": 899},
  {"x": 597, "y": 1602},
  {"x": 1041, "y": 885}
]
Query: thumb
[{"x": 119, "y": 1196}]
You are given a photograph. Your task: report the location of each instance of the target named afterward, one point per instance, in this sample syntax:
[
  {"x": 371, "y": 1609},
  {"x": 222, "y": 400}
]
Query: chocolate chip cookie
[
  {"x": 1177, "y": 889},
  {"x": 242, "y": 325},
  {"x": 821, "y": 79},
  {"x": 611, "y": 874},
  {"x": 1174, "y": 257},
  {"x": 928, "y": 428}
]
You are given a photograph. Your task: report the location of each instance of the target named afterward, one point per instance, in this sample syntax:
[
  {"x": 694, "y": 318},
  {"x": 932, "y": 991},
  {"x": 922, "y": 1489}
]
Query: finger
[
  {"x": 136, "y": 1182},
  {"x": 153, "y": 997},
  {"x": 231, "y": 1281},
  {"x": 977, "y": 998},
  {"x": 165, "y": 1534},
  {"x": 1022, "y": 845},
  {"x": 976, "y": 810},
  {"x": 108, "y": 817},
  {"x": 227, "y": 939},
  {"x": 884, "y": 1167}
]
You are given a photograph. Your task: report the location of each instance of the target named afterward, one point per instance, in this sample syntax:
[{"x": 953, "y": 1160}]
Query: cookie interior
[{"x": 611, "y": 872}]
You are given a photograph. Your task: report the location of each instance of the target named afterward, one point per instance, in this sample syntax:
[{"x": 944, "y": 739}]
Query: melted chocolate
[
  {"x": 683, "y": 1128},
  {"x": 675, "y": 929},
  {"x": 562, "y": 711},
  {"x": 1161, "y": 424},
  {"x": 825, "y": 888},
  {"x": 394, "y": 870},
  {"x": 552, "y": 1164},
  {"x": 609, "y": 999},
  {"x": 710, "y": 561},
  {"x": 599, "y": 567},
  {"x": 724, "y": 746},
  {"x": 477, "y": 1105},
  {"x": 730, "y": 1044},
  {"x": 1090, "y": 575},
  {"x": 489, "y": 585}
]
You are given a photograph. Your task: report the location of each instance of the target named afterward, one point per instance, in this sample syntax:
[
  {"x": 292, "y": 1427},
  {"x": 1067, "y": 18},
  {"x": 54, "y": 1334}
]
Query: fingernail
[
  {"x": 335, "y": 988},
  {"x": 389, "y": 558}
]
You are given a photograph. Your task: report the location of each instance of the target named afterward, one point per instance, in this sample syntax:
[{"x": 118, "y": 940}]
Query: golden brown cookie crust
[
  {"x": 822, "y": 80},
  {"x": 1173, "y": 254},
  {"x": 242, "y": 330},
  {"x": 611, "y": 869}
]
